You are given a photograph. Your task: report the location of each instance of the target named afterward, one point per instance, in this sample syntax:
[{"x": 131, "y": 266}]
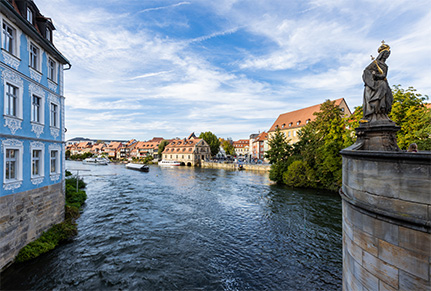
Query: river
[{"x": 192, "y": 229}]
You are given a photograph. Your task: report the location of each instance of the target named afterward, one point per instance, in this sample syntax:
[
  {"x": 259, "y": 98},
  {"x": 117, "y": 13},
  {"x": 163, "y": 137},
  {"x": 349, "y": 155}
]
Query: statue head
[{"x": 383, "y": 47}]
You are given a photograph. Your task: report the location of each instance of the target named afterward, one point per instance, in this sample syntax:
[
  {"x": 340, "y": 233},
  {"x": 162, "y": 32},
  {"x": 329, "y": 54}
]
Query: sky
[{"x": 166, "y": 68}]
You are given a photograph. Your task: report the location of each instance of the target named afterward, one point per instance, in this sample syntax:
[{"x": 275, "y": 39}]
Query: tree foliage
[
  {"x": 279, "y": 155},
  {"x": 212, "y": 140},
  {"x": 410, "y": 113},
  {"x": 162, "y": 146},
  {"x": 228, "y": 147}
]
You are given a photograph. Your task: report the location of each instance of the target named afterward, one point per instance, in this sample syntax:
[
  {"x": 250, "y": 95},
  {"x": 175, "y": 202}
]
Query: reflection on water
[{"x": 195, "y": 229}]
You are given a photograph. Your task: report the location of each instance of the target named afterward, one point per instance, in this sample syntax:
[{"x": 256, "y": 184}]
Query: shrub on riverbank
[{"x": 61, "y": 232}]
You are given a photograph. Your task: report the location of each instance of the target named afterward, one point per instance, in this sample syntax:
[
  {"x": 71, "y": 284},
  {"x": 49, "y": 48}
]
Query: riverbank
[
  {"x": 59, "y": 233},
  {"x": 234, "y": 167}
]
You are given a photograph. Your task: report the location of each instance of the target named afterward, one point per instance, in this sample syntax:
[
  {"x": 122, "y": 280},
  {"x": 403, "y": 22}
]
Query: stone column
[{"x": 386, "y": 217}]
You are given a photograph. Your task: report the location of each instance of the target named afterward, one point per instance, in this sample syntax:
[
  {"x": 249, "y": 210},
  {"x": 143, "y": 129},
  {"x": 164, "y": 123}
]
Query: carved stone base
[{"x": 376, "y": 136}]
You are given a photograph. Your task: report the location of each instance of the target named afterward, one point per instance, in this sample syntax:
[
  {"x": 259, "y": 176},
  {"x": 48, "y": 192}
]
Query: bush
[
  {"x": 299, "y": 174},
  {"x": 48, "y": 241}
]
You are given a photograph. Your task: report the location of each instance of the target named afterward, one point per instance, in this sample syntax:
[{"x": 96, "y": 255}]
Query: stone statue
[{"x": 377, "y": 93}]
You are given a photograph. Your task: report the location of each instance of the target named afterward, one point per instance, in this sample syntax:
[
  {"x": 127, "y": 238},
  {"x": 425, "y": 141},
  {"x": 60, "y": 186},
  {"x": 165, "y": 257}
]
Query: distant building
[
  {"x": 242, "y": 148},
  {"x": 190, "y": 151},
  {"x": 291, "y": 122},
  {"x": 31, "y": 127},
  {"x": 145, "y": 149},
  {"x": 112, "y": 149},
  {"x": 259, "y": 146}
]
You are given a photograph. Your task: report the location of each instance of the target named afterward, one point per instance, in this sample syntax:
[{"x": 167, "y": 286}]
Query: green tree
[
  {"x": 212, "y": 140},
  {"x": 410, "y": 113},
  {"x": 279, "y": 155},
  {"x": 320, "y": 142},
  {"x": 228, "y": 147},
  {"x": 162, "y": 146}
]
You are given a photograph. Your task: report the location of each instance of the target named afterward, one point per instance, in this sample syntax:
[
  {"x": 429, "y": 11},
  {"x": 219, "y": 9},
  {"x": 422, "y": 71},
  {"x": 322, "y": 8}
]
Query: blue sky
[{"x": 144, "y": 68}]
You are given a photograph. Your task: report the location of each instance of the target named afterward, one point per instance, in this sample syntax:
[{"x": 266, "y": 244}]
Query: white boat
[
  {"x": 165, "y": 163},
  {"x": 96, "y": 161},
  {"x": 138, "y": 167}
]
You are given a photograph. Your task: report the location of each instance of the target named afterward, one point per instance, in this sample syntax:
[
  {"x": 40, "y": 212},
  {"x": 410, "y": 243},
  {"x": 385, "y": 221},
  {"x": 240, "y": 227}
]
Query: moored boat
[
  {"x": 138, "y": 167},
  {"x": 96, "y": 161},
  {"x": 166, "y": 163}
]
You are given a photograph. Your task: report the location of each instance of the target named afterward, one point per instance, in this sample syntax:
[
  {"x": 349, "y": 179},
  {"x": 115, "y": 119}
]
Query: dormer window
[
  {"x": 29, "y": 15},
  {"x": 290, "y": 124},
  {"x": 283, "y": 125},
  {"x": 276, "y": 127},
  {"x": 298, "y": 122},
  {"x": 307, "y": 121},
  {"x": 48, "y": 34}
]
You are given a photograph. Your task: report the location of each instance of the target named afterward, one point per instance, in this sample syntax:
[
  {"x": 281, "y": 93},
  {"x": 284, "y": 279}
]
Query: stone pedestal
[
  {"x": 386, "y": 218},
  {"x": 377, "y": 136}
]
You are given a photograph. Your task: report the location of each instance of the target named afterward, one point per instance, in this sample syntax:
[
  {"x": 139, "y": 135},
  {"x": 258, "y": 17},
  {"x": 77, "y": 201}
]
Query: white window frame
[
  {"x": 52, "y": 70},
  {"x": 34, "y": 57},
  {"x": 18, "y": 105},
  {"x": 48, "y": 34},
  {"x": 16, "y": 146},
  {"x": 54, "y": 120},
  {"x": 11, "y": 37},
  {"x": 38, "y": 147},
  {"x": 41, "y": 110},
  {"x": 30, "y": 15},
  {"x": 54, "y": 160}
]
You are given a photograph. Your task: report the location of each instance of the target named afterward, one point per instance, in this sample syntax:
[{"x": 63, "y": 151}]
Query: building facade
[
  {"x": 191, "y": 151},
  {"x": 31, "y": 127},
  {"x": 291, "y": 122}
]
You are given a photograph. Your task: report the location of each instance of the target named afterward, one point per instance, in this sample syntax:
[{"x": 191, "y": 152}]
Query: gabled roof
[
  {"x": 114, "y": 145},
  {"x": 184, "y": 145},
  {"x": 262, "y": 136},
  {"x": 300, "y": 117},
  {"x": 241, "y": 143}
]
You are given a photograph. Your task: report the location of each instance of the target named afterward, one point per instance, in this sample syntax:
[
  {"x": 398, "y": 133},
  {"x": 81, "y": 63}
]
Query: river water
[{"x": 192, "y": 229}]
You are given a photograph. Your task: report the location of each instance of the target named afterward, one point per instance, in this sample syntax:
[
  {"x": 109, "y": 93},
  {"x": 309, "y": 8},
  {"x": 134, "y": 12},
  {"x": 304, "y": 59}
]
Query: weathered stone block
[
  {"x": 410, "y": 282},
  {"x": 366, "y": 279},
  {"x": 416, "y": 241},
  {"x": 380, "y": 269},
  {"x": 380, "y": 229},
  {"x": 366, "y": 242},
  {"x": 403, "y": 259}
]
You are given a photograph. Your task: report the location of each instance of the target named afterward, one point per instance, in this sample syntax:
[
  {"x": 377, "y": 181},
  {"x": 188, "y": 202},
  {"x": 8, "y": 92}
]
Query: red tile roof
[{"x": 299, "y": 118}]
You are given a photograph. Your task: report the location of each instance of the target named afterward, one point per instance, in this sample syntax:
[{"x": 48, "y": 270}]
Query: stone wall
[
  {"x": 386, "y": 220},
  {"x": 25, "y": 216},
  {"x": 264, "y": 168}
]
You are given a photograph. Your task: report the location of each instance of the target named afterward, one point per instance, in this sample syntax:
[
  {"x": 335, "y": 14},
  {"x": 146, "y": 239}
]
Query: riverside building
[{"x": 31, "y": 127}]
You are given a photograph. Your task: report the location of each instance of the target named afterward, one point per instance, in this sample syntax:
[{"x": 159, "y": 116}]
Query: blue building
[{"x": 31, "y": 127}]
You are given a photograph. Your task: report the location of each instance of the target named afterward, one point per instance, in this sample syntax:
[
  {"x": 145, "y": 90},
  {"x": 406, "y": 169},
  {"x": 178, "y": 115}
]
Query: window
[
  {"x": 11, "y": 164},
  {"x": 36, "y": 109},
  {"x": 8, "y": 38},
  {"x": 298, "y": 122},
  {"x": 48, "y": 34},
  {"x": 288, "y": 134},
  {"x": 54, "y": 115},
  {"x": 55, "y": 165},
  {"x": 34, "y": 57},
  {"x": 52, "y": 69},
  {"x": 36, "y": 163},
  {"x": 11, "y": 100},
  {"x": 307, "y": 121},
  {"x": 342, "y": 109},
  {"x": 29, "y": 15}
]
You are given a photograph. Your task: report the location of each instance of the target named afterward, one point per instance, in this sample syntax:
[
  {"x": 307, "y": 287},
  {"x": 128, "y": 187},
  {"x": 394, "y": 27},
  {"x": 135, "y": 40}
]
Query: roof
[
  {"x": 241, "y": 143},
  {"x": 262, "y": 136},
  {"x": 184, "y": 145},
  {"x": 300, "y": 117},
  {"x": 12, "y": 12}
]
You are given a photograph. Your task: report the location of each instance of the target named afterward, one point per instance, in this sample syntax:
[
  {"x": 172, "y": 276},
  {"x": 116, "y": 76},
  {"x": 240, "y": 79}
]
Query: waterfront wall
[
  {"x": 386, "y": 220},
  {"x": 232, "y": 166},
  {"x": 25, "y": 216}
]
